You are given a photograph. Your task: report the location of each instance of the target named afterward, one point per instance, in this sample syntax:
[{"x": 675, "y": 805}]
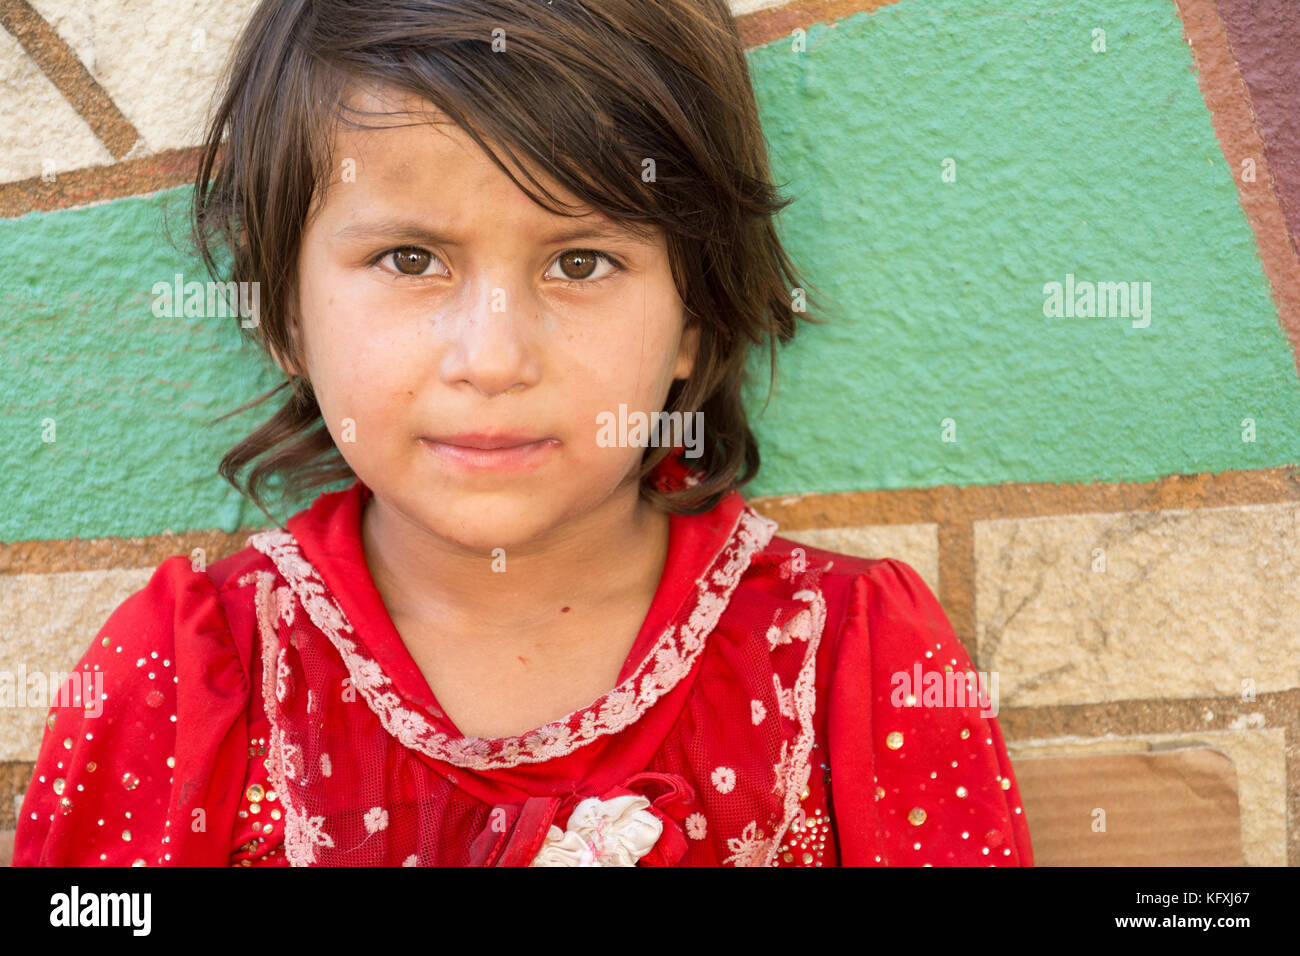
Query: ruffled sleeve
[
  {"x": 919, "y": 771},
  {"x": 148, "y": 770}
]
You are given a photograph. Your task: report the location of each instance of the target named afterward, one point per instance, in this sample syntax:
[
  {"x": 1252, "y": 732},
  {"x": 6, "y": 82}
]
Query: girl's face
[{"x": 438, "y": 301}]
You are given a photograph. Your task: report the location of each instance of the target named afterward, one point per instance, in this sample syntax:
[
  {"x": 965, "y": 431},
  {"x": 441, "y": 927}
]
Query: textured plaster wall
[
  {"x": 1103, "y": 165},
  {"x": 938, "y": 367}
]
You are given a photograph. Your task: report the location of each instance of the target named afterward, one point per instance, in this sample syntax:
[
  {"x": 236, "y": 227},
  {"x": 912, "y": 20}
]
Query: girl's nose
[{"x": 492, "y": 340}]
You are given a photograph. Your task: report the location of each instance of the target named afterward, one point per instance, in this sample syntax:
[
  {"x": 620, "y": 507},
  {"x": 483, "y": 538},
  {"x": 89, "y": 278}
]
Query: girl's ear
[
  {"x": 291, "y": 365},
  {"x": 687, "y": 351}
]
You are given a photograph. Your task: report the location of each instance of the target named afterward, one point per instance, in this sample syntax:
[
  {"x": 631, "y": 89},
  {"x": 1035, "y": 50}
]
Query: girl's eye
[
  {"x": 410, "y": 261},
  {"x": 577, "y": 265}
]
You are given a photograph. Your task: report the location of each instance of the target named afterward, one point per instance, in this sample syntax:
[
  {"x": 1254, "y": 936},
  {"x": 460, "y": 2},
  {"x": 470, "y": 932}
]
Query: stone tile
[
  {"x": 183, "y": 45},
  {"x": 47, "y": 622},
  {"x": 741, "y": 7},
  {"x": 38, "y": 126},
  {"x": 1139, "y": 605}
]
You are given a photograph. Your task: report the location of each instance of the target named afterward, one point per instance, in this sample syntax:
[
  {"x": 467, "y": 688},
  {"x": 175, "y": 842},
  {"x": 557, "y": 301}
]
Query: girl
[{"x": 519, "y": 636}]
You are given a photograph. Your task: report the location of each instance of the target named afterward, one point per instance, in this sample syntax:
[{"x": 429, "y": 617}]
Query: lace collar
[{"x": 322, "y": 560}]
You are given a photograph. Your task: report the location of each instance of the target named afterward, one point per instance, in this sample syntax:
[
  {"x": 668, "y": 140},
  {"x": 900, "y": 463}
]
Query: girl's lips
[{"x": 517, "y": 458}]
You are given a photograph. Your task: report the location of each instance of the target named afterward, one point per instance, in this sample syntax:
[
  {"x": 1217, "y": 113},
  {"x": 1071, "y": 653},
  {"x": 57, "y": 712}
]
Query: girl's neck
[{"x": 611, "y": 557}]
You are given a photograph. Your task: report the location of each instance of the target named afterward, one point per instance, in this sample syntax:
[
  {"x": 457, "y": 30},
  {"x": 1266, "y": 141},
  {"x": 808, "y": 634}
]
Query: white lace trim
[
  {"x": 668, "y": 661},
  {"x": 793, "y": 768},
  {"x": 793, "y": 772},
  {"x": 302, "y": 834}
]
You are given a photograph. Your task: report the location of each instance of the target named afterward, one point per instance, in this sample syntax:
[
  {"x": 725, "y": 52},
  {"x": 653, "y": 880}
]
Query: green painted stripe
[
  {"x": 1103, "y": 165},
  {"x": 129, "y": 393}
]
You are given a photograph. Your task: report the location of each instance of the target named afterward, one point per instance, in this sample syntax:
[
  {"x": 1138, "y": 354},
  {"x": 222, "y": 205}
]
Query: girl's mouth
[{"x": 506, "y": 455}]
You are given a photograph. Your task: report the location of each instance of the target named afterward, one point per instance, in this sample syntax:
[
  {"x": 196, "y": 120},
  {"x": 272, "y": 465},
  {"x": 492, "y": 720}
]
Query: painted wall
[{"x": 1107, "y": 505}]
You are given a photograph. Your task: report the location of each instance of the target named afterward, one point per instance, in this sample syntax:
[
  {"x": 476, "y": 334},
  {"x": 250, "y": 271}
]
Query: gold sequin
[
  {"x": 270, "y": 794},
  {"x": 275, "y": 814},
  {"x": 1006, "y": 783},
  {"x": 65, "y": 805},
  {"x": 91, "y": 767},
  {"x": 130, "y": 781},
  {"x": 916, "y": 817},
  {"x": 139, "y": 863},
  {"x": 126, "y": 835},
  {"x": 255, "y": 793},
  {"x": 965, "y": 733},
  {"x": 894, "y": 740},
  {"x": 59, "y": 784},
  {"x": 880, "y": 793},
  {"x": 255, "y": 808},
  {"x": 961, "y": 791},
  {"x": 67, "y": 743},
  {"x": 171, "y": 761}
]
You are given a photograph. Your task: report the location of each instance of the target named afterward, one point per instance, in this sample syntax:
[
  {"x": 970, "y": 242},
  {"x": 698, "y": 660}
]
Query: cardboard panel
[{"x": 1163, "y": 808}]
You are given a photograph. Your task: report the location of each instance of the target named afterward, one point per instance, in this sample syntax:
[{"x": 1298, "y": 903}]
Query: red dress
[{"x": 266, "y": 711}]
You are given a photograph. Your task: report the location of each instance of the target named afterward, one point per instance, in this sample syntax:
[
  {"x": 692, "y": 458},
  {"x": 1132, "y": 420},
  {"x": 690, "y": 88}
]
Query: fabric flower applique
[{"x": 615, "y": 832}]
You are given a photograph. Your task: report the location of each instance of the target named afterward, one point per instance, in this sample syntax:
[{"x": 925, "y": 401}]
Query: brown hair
[{"x": 587, "y": 92}]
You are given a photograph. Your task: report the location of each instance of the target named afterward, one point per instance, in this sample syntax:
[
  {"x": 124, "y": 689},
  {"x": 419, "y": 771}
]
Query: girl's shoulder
[
  {"x": 884, "y": 600},
  {"x": 154, "y": 707},
  {"x": 189, "y": 605},
  {"x": 922, "y": 770}
]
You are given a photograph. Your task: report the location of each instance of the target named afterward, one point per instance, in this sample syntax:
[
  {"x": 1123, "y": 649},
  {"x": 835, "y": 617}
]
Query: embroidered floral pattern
[
  {"x": 784, "y": 697},
  {"x": 663, "y": 668},
  {"x": 757, "y": 712},
  {"x": 376, "y": 819},
  {"x": 301, "y": 837},
  {"x": 724, "y": 778},
  {"x": 749, "y": 849},
  {"x": 697, "y": 827},
  {"x": 281, "y": 675}
]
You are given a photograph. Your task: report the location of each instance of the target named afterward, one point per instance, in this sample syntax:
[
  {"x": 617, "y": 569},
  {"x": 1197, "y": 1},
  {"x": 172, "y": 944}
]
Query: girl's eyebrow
[{"x": 406, "y": 230}]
